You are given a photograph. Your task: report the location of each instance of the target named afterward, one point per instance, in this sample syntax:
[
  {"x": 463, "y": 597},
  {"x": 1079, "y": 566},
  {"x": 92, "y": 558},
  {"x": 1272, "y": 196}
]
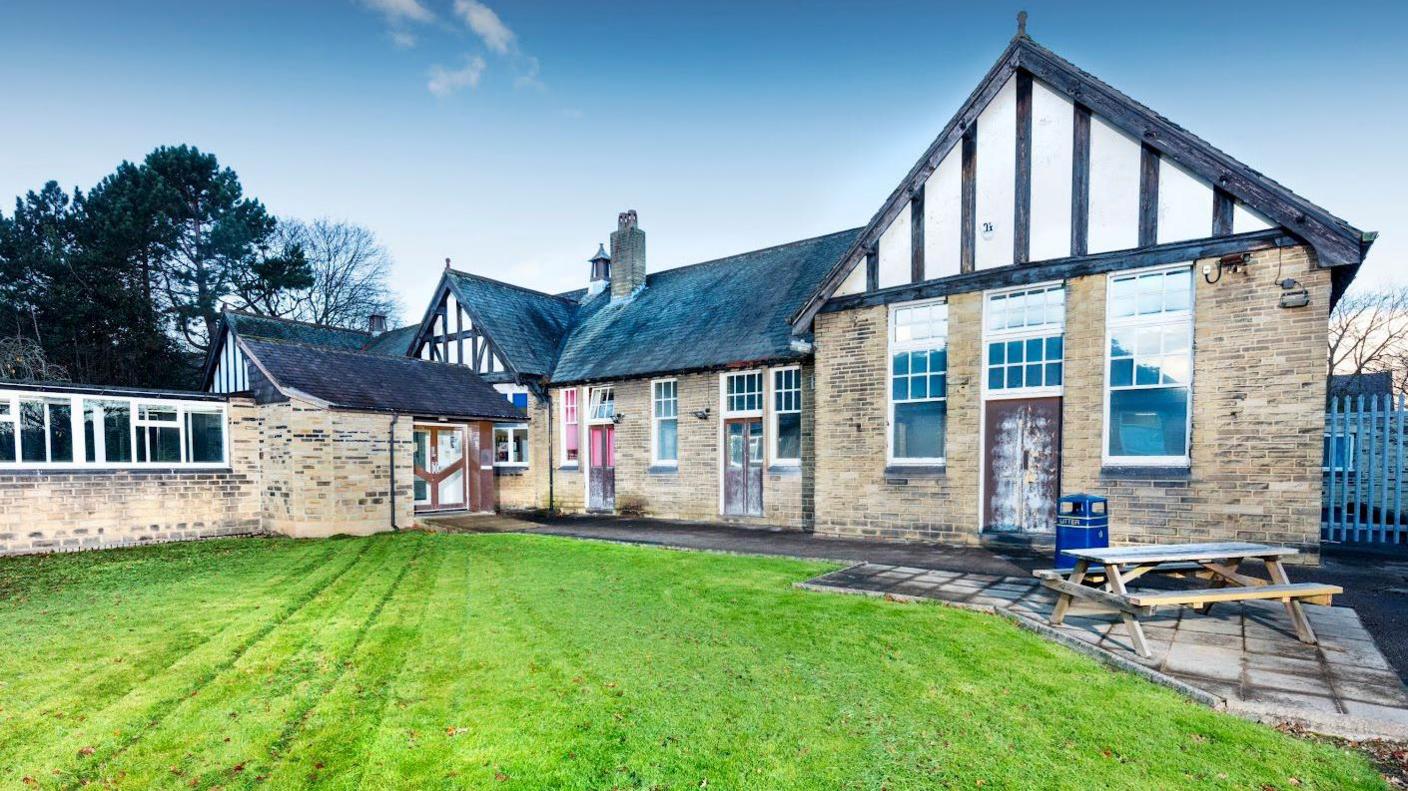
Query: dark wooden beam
[
  {"x": 459, "y": 334},
  {"x": 1022, "y": 209},
  {"x": 1065, "y": 268},
  {"x": 1148, "y": 196},
  {"x": 872, "y": 269},
  {"x": 968, "y": 200},
  {"x": 1222, "y": 206},
  {"x": 916, "y": 236},
  {"x": 1335, "y": 243},
  {"x": 1080, "y": 182}
]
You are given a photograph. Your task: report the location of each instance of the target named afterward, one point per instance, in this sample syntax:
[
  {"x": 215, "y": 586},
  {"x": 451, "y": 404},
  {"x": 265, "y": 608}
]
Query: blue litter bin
[{"x": 1082, "y": 522}]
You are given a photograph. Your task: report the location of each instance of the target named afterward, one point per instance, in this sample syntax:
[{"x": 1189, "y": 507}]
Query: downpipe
[{"x": 391, "y": 474}]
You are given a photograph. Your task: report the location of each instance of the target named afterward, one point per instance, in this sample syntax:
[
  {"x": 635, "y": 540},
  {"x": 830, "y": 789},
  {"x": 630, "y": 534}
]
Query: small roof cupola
[
  {"x": 627, "y": 257},
  {"x": 601, "y": 271}
]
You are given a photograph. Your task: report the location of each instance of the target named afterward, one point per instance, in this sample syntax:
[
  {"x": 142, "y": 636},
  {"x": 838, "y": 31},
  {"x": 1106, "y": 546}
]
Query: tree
[
  {"x": 349, "y": 270},
  {"x": 1369, "y": 333},
  {"x": 218, "y": 243},
  {"x": 23, "y": 360}
]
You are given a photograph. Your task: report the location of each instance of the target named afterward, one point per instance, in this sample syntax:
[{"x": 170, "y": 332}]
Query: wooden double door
[
  {"x": 1022, "y": 467},
  {"x": 450, "y": 464},
  {"x": 743, "y": 467}
]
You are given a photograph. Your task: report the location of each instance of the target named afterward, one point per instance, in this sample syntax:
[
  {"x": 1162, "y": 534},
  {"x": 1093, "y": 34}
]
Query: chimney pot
[{"x": 376, "y": 323}]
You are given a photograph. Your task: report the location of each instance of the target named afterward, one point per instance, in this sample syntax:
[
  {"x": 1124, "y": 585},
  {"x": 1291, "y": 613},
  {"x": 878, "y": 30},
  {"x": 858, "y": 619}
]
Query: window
[
  {"x": 601, "y": 405},
  {"x": 787, "y": 415},
  {"x": 1150, "y": 367},
  {"x": 45, "y": 429},
  {"x": 664, "y": 416},
  {"x": 516, "y": 395},
  {"x": 511, "y": 446},
  {"x": 918, "y": 382},
  {"x": 1025, "y": 344},
  {"x": 1339, "y": 453},
  {"x": 571, "y": 429},
  {"x": 743, "y": 393}
]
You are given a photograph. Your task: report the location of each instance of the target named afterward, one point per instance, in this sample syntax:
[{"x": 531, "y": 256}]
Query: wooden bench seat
[{"x": 1309, "y": 592}]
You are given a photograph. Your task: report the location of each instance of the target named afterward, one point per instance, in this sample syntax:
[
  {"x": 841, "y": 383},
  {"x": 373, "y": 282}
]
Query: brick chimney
[
  {"x": 627, "y": 257},
  {"x": 601, "y": 271}
]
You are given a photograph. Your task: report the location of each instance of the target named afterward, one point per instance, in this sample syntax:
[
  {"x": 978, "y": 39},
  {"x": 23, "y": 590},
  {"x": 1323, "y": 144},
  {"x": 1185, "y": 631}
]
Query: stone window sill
[
  {"x": 900, "y": 474},
  {"x": 121, "y": 470},
  {"x": 510, "y": 470},
  {"x": 785, "y": 470},
  {"x": 1145, "y": 473},
  {"x": 662, "y": 469},
  {"x": 570, "y": 468}
]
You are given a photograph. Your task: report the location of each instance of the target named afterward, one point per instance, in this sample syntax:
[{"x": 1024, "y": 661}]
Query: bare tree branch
[{"x": 1369, "y": 333}]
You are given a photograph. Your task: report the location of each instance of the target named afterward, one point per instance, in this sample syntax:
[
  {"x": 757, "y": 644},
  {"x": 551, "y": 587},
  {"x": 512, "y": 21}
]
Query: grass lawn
[{"x": 515, "y": 661}]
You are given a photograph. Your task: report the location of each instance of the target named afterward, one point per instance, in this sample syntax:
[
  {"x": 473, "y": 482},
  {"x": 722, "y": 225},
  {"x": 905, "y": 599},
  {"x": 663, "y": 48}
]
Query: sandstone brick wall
[
  {"x": 691, "y": 490},
  {"x": 328, "y": 472},
  {"x": 44, "y": 511},
  {"x": 1258, "y": 418},
  {"x": 855, "y": 496},
  {"x": 519, "y": 489}
]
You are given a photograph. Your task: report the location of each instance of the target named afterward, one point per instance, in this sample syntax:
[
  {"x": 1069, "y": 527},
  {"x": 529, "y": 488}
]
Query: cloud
[
  {"x": 444, "y": 82},
  {"x": 403, "y": 39},
  {"x": 529, "y": 77},
  {"x": 398, "y": 11},
  {"x": 485, "y": 24}
]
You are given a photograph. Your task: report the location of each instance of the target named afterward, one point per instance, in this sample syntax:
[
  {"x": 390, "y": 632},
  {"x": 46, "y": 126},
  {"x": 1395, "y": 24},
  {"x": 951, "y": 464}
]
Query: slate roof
[
  {"x": 396, "y": 342},
  {"x": 527, "y": 326},
  {"x": 729, "y": 311},
  {"x": 378, "y": 382},
  {"x": 1374, "y": 383},
  {"x": 250, "y": 326}
]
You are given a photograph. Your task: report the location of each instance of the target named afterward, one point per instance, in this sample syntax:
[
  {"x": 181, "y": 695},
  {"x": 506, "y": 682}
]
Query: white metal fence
[{"x": 1363, "y": 470}]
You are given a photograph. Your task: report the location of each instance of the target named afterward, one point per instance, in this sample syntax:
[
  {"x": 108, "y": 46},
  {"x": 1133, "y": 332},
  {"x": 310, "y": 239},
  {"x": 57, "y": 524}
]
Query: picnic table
[{"x": 1102, "y": 575}]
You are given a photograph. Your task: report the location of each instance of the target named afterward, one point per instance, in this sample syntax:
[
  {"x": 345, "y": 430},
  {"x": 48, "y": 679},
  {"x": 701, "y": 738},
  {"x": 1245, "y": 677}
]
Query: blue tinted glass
[
  {"x": 1054, "y": 347},
  {"x": 919, "y": 387},
  {"x": 1014, "y": 376},
  {"x": 520, "y": 400},
  {"x": 1121, "y": 373},
  {"x": 937, "y": 386},
  {"x": 900, "y": 365},
  {"x": 900, "y": 390},
  {"x": 1146, "y": 374},
  {"x": 1053, "y": 374},
  {"x": 1014, "y": 351},
  {"x": 1149, "y": 422},
  {"x": 1121, "y": 344},
  {"x": 995, "y": 353},
  {"x": 1033, "y": 374},
  {"x": 995, "y": 378},
  {"x": 938, "y": 361},
  {"x": 1034, "y": 349},
  {"x": 919, "y": 430},
  {"x": 918, "y": 363}
]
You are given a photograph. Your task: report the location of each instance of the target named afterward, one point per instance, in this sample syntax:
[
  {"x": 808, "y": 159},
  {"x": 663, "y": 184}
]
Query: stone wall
[
  {"x": 328, "y": 472},
  {"x": 1258, "y": 418},
  {"x": 691, "y": 490},
  {"x": 47, "y": 511},
  {"x": 526, "y": 489}
]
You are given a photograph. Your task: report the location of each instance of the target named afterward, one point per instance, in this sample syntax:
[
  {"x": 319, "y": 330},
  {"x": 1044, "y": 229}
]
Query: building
[{"x": 1066, "y": 292}]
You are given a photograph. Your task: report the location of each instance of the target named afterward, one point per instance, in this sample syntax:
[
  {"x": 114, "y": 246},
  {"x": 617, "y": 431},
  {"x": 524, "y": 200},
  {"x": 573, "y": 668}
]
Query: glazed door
[
  {"x": 1022, "y": 479},
  {"x": 743, "y": 467},
  {"x": 601, "y": 476},
  {"x": 439, "y": 467}
]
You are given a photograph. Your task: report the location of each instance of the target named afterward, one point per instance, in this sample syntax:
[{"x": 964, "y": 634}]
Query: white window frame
[
  {"x": 1044, "y": 330},
  {"x": 773, "y": 434},
  {"x": 656, "y": 419},
  {"x": 892, "y": 346},
  {"x": 512, "y": 428},
  {"x": 1158, "y": 320},
  {"x": 728, "y": 376},
  {"x": 592, "y": 419},
  {"x": 75, "y": 401},
  {"x": 576, "y": 407},
  {"x": 13, "y": 420}
]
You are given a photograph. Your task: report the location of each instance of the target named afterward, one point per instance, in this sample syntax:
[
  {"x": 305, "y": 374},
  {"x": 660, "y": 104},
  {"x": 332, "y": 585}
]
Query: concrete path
[{"x": 1246, "y": 655}]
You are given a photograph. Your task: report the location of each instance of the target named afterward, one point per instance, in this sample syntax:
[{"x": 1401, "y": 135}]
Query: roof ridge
[
  {"x": 496, "y": 281},
  {"x": 769, "y": 248},
  {"x": 362, "y": 352},
  {"x": 299, "y": 322}
]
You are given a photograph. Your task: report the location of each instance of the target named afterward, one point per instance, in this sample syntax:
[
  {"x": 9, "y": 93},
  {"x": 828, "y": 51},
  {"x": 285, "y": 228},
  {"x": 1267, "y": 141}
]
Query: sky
[{"x": 507, "y": 136}]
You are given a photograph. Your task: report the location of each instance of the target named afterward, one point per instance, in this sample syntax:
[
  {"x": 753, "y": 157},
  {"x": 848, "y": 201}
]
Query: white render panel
[
  {"x": 894, "y": 251},
  {"x": 1185, "y": 204},
  {"x": 1245, "y": 220},
  {"x": 995, "y": 179},
  {"x": 1053, "y": 124},
  {"x": 854, "y": 282},
  {"x": 943, "y": 216},
  {"x": 1114, "y": 188}
]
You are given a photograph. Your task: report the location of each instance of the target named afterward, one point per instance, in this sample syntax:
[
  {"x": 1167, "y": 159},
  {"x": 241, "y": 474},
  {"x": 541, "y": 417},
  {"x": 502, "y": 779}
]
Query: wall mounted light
[
  {"x": 702, "y": 414},
  {"x": 1232, "y": 263},
  {"x": 1293, "y": 294},
  {"x": 616, "y": 417}
]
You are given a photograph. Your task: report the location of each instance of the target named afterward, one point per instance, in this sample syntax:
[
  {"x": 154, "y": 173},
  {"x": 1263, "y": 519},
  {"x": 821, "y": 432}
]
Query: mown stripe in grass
[
  {"x": 57, "y": 694},
  {"x": 134, "y": 728}
]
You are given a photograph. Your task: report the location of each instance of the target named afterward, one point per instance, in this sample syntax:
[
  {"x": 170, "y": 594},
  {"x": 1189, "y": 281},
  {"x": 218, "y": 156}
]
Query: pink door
[{"x": 601, "y": 473}]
